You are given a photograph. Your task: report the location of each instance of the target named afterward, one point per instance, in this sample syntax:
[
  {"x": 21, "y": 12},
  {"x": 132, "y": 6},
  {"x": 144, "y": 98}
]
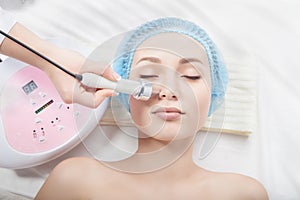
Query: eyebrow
[
  {"x": 151, "y": 59},
  {"x": 189, "y": 60},
  {"x": 157, "y": 60}
]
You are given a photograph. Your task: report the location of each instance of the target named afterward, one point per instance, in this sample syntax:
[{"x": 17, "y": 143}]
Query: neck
[
  {"x": 171, "y": 160},
  {"x": 160, "y": 160}
]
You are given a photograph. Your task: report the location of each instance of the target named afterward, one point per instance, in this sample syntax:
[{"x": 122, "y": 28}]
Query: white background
[{"x": 269, "y": 31}]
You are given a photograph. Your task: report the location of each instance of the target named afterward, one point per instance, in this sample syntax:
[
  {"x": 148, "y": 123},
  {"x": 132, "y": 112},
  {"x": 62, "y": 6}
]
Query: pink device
[{"x": 36, "y": 126}]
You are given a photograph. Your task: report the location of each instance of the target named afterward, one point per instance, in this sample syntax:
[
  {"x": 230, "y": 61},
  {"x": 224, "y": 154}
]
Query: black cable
[{"x": 76, "y": 76}]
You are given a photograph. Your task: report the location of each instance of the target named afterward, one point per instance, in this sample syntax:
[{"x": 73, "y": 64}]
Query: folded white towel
[{"x": 5, "y": 195}]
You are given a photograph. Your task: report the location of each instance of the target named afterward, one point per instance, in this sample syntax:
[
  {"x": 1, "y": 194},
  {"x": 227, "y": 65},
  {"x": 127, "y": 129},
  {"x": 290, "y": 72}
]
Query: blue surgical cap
[{"x": 131, "y": 41}]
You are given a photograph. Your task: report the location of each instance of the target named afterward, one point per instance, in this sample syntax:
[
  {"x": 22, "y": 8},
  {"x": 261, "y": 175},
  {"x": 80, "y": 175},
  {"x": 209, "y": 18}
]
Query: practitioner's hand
[{"x": 70, "y": 89}]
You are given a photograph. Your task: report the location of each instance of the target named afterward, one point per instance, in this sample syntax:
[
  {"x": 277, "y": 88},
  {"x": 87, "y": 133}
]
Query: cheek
[
  {"x": 139, "y": 112},
  {"x": 203, "y": 97},
  {"x": 204, "y": 104}
]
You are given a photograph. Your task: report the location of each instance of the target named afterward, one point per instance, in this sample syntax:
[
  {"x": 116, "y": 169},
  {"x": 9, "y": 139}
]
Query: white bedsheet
[{"x": 268, "y": 31}]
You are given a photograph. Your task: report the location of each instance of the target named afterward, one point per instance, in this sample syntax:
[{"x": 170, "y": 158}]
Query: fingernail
[
  {"x": 115, "y": 93},
  {"x": 117, "y": 76}
]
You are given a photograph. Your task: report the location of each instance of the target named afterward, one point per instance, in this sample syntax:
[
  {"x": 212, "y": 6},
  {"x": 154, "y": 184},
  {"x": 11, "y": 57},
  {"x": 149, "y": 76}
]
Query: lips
[{"x": 168, "y": 113}]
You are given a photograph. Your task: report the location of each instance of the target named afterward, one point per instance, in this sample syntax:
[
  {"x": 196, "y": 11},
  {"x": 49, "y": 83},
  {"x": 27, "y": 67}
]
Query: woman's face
[{"x": 178, "y": 68}]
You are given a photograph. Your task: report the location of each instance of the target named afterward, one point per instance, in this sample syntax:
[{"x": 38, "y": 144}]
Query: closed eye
[
  {"x": 191, "y": 77},
  {"x": 148, "y": 76}
]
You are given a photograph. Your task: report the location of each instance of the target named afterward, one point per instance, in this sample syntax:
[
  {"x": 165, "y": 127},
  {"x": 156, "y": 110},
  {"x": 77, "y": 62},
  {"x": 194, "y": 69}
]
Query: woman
[{"x": 189, "y": 81}]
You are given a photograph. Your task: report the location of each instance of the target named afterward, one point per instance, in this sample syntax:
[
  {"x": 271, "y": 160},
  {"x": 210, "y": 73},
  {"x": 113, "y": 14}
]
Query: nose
[{"x": 166, "y": 94}]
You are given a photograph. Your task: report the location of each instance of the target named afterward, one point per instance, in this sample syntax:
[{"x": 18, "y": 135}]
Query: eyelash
[
  {"x": 184, "y": 76},
  {"x": 191, "y": 77},
  {"x": 148, "y": 76}
]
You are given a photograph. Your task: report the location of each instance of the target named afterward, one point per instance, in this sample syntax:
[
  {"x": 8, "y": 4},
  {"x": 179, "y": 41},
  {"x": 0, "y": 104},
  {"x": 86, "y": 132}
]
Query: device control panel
[{"x": 35, "y": 118}]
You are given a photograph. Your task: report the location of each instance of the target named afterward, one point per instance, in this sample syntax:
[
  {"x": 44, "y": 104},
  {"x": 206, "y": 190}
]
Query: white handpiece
[{"x": 140, "y": 89}]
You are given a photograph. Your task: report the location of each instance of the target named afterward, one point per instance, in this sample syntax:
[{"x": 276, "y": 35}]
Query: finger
[
  {"x": 110, "y": 74},
  {"x": 100, "y": 95},
  {"x": 94, "y": 66},
  {"x": 93, "y": 98}
]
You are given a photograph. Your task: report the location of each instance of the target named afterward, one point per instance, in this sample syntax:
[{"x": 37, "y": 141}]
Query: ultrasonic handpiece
[{"x": 141, "y": 89}]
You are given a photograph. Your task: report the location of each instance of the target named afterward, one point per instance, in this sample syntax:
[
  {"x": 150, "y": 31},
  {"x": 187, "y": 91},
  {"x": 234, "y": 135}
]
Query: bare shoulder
[
  {"x": 77, "y": 166},
  {"x": 242, "y": 187},
  {"x": 71, "y": 178}
]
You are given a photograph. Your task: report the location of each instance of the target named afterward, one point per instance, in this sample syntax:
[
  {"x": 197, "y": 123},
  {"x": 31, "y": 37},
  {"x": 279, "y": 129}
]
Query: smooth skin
[{"x": 176, "y": 111}]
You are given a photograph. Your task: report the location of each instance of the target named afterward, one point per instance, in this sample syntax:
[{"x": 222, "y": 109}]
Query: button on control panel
[{"x": 38, "y": 120}]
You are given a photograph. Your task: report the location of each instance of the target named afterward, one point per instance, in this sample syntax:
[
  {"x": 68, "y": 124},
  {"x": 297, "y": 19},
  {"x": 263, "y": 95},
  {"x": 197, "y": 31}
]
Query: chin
[
  {"x": 162, "y": 130},
  {"x": 169, "y": 136}
]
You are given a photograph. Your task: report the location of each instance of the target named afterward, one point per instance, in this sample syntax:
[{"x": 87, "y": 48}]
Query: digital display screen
[{"x": 29, "y": 87}]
